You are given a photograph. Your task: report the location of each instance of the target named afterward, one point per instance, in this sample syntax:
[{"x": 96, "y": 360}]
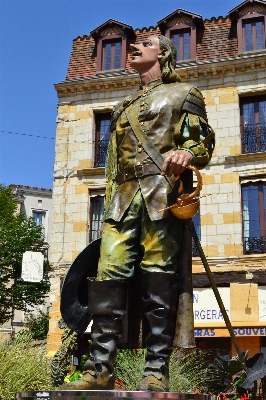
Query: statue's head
[
  {"x": 168, "y": 61},
  {"x": 155, "y": 52}
]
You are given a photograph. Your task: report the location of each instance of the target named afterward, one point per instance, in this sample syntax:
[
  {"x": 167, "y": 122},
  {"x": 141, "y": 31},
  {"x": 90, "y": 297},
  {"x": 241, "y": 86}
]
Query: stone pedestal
[{"x": 107, "y": 395}]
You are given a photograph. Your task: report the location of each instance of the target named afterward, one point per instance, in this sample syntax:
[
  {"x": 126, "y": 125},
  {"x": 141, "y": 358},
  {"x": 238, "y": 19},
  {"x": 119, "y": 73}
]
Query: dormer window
[
  {"x": 250, "y": 17},
  {"x": 181, "y": 27},
  {"x": 182, "y": 41},
  {"x": 111, "y": 58},
  {"x": 111, "y": 39},
  {"x": 253, "y": 34}
]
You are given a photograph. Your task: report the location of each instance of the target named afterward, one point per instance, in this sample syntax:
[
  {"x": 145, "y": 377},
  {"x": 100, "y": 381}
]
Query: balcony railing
[
  {"x": 195, "y": 252},
  {"x": 101, "y": 150},
  {"x": 254, "y": 245},
  {"x": 253, "y": 138}
]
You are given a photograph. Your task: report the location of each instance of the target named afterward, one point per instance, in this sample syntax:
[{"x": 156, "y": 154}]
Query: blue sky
[{"x": 36, "y": 39}]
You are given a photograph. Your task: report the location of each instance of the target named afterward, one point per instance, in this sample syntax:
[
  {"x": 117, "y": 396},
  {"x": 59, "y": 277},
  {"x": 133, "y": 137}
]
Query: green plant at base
[
  {"x": 128, "y": 368},
  {"x": 23, "y": 366},
  {"x": 73, "y": 376},
  {"x": 38, "y": 325},
  {"x": 187, "y": 370}
]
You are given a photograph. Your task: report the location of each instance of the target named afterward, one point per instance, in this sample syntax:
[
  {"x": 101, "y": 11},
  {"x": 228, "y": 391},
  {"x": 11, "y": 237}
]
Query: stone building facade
[{"x": 225, "y": 58}]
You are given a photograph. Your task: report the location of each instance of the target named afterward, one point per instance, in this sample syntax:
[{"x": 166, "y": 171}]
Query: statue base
[{"x": 108, "y": 395}]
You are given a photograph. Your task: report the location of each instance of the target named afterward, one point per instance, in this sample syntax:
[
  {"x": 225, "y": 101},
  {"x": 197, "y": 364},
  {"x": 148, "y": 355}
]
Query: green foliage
[
  {"x": 38, "y": 325},
  {"x": 17, "y": 235},
  {"x": 84, "y": 358},
  {"x": 73, "y": 376},
  {"x": 23, "y": 367},
  {"x": 226, "y": 375},
  {"x": 187, "y": 370},
  {"x": 128, "y": 368}
]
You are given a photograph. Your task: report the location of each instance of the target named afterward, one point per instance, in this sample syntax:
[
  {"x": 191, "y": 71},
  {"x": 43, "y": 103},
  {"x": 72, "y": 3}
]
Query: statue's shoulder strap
[
  {"x": 141, "y": 136},
  {"x": 194, "y": 103}
]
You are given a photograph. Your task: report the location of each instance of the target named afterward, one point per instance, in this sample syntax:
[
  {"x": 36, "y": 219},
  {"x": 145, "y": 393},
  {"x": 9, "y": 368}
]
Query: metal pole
[{"x": 191, "y": 227}]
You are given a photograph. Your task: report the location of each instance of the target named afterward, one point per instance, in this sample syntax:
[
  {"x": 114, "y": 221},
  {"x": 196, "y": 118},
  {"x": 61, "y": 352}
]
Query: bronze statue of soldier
[{"x": 155, "y": 134}]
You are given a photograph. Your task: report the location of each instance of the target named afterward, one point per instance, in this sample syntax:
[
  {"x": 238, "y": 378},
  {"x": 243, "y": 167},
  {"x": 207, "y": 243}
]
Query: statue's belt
[{"x": 137, "y": 171}]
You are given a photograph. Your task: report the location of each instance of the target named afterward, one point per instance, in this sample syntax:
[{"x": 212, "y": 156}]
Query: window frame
[
  {"x": 258, "y": 183},
  {"x": 112, "y": 60},
  {"x": 181, "y": 28},
  {"x": 92, "y": 199},
  {"x": 97, "y": 120},
  {"x": 255, "y": 100},
  {"x": 45, "y": 214},
  {"x": 255, "y": 17},
  {"x": 195, "y": 252},
  {"x": 100, "y": 50}
]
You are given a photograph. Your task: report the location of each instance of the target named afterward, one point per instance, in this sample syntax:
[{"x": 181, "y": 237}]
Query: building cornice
[
  {"x": 249, "y": 157},
  {"x": 248, "y": 263},
  {"x": 189, "y": 71},
  {"x": 91, "y": 171}
]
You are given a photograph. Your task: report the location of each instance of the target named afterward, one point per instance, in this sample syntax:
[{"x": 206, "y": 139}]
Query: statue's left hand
[{"x": 176, "y": 162}]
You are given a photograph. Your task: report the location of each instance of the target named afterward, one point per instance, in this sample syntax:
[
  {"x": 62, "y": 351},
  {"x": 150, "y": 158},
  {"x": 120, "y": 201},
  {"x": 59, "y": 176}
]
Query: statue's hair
[{"x": 168, "y": 61}]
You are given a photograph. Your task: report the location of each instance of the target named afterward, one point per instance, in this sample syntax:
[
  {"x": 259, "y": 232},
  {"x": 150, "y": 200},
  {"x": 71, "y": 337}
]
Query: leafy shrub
[
  {"x": 187, "y": 370},
  {"x": 38, "y": 325},
  {"x": 23, "y": 366},
  {"x": 128, "y": 368}
]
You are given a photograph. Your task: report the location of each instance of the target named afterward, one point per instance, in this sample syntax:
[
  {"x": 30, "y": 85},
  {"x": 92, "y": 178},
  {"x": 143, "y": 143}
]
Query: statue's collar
[{"x": 152, "y": 84}]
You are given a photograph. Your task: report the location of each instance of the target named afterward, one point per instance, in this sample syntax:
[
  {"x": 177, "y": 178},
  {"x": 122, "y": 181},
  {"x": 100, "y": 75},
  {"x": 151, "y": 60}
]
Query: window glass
[
  {"x": 254, "y": 35},
  {"x": 117, "y": 54},
  {"x": 196, "y": 220},
  {"x": 97, "y": 206},
  {"x": 38, "y": 217},
  {"x": 250, "y": 201},
  {"x": 249, "y": 46},
  {"x": 112, "y": 54},
  {"x": 186, "y": 45},
  {"x": 182, "y": 41},
  {"x": 254, "y": 217},
  {"x": 107, "y": 60},
  {"x": 102, "y": 138},
  {"x": 259, "y": 35},
  {"x": 253, "y": 124}
]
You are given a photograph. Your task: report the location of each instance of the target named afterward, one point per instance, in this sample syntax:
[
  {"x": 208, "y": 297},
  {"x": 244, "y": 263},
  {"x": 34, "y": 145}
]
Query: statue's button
[
  {"x": 138, "y": 163},
  {"x": 139, "y": 150},
  {"x": 139, "y": 144},
  {"x": 142, "y": 123}
]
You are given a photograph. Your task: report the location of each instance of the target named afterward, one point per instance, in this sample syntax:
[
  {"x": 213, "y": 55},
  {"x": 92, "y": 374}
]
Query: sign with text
[
  {"x": 205, "y": 305},
  {"x": 223, "y": 332},
  {"x": 32, "y": 266}
]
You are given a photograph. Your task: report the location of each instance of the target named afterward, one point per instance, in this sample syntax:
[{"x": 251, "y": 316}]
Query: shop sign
[
  {"x": 216, "y": 332},
  {"x": 262, "y": 303},
  {"x": 32, "y": 266},
  {"x": 205, "y": 305}
]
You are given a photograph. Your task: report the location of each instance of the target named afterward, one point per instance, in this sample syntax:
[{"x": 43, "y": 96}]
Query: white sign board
[
  {"x": 205, "y": 305},
  {"x": 262, "y": 303},
  {"x": 32, "y": 266}
]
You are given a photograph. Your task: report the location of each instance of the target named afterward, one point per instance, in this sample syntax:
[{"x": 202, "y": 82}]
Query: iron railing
[
  {"x": 254, "y": 245},
  {"x": 100, "y": 152},
  {"x": 195, "y": 252},
  {"x": 253, "y": 138}
]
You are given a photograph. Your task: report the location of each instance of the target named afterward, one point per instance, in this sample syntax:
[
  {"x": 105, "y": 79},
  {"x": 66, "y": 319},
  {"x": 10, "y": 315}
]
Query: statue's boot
[
  {"x": 107, "y": 304},
  {"x": 159, "y": 296}
]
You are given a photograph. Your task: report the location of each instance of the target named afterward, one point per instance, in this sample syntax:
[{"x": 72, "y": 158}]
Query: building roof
[{"x": 21, "y": 187}]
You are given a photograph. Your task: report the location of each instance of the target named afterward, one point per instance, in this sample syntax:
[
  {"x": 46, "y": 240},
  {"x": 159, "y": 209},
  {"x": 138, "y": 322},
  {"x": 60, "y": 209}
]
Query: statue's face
[{"x": 145, "y": 54}]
